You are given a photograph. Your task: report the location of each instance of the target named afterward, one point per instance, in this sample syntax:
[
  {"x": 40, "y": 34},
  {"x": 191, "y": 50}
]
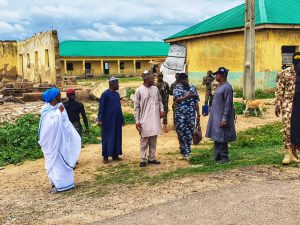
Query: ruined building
[{"x": 35, "y": 59}]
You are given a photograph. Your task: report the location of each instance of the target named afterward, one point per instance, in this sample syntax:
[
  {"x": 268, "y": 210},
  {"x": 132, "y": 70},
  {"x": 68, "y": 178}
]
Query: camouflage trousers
[
  {"x": 185, "y": 128},
  {"x": 78, "y": 127},
  {"x": 286, "y": 119},
  {"x": 208, "y": 97},
  {"x": 165, "y": 119}
]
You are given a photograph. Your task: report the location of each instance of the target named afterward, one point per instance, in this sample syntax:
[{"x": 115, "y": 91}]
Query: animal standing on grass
[{"x": 254, "y": 104}]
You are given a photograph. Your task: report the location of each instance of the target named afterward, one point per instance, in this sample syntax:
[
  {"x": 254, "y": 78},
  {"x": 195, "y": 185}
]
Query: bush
[
  {"x": 19, "y": 140},
  {"x": 128, "y": 118},
  {"x": 259, "y": 94},
  {"x": 129, "y": 92}
]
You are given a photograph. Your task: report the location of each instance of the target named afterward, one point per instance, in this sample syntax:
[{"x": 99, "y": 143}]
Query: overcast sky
[{"x": 116, "y": 20}]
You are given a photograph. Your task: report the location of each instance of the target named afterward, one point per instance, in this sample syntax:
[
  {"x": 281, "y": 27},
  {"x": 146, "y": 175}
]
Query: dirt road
[{"x": 270, "y": 203}]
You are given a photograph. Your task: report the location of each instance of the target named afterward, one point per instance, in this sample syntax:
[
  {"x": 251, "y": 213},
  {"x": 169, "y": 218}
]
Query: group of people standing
[{"x": 60, "y": 128}]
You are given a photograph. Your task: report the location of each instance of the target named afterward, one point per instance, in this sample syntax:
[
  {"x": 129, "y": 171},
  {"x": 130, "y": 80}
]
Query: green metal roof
[
  {"x": 113, "y": 49},
  {"x": 267, "y": 12}
]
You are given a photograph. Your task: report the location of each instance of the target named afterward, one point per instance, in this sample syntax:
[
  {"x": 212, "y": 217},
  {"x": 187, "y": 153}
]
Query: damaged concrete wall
[
  {"x": 38, "y": 58},
  {"x": 8, "y": 59}
]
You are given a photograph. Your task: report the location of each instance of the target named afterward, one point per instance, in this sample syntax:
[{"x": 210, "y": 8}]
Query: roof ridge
[{"x": 262, "y": 11}]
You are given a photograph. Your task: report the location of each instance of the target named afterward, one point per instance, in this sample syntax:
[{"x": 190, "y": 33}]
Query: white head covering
[{"x": 113, "y": 80}]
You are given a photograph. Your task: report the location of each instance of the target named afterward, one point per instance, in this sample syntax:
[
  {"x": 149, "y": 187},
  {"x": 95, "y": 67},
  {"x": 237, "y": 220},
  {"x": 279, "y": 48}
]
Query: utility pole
[{"x": 249, "y": 63}]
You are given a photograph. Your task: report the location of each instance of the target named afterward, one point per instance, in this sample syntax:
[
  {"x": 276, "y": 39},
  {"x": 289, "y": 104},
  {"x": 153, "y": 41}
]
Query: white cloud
[
  {"x": 107, "y": 20},
  {"x": 6, "y": 28}
]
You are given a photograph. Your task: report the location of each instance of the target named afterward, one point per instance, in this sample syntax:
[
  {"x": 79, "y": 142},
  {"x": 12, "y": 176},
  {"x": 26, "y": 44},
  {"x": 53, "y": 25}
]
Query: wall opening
[
  {"x": 28, "y": 60},
  {"x": 287, "y": 53},
  {"x": 21, "y": 65},
  {"x": 36, "y": 60},
  {"x": 47, "y": 64},
  {"x": 69, "y": 66},
  {"x": 106, "y": 67},
  {"x": 138, "y": 65},
  {"x": 122, "y": 65}
]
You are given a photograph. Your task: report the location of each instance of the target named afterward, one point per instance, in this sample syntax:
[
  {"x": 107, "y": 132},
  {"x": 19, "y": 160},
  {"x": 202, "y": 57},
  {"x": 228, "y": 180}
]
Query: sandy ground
[
  {"x": 273, "y": 202},
  {"x": 25, "y": 197}
]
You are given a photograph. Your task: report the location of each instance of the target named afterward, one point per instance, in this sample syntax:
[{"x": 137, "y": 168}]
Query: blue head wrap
[{"x": 50, "y": 94}]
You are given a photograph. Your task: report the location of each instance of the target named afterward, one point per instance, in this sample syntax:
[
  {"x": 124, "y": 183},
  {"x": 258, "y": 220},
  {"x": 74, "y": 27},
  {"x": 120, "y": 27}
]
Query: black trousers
[{"x": 221, "y": 151}]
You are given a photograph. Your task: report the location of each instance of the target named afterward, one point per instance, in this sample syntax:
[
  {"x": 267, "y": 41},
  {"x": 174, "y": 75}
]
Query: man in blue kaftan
[{"x": 110, "y": 119}]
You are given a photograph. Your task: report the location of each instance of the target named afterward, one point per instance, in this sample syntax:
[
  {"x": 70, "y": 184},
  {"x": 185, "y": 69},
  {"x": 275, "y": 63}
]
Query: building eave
[{"x": 234, "y": 30}]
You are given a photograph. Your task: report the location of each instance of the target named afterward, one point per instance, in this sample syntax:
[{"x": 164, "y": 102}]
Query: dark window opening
[
  {"x": 287, "y": 54},
  {"x": 88, "y": 66},
  {"x": 288, "y": 49},
  {"x": 138, "y": 65},
  {"x": 69, "y": 66},
  {"x": 122, "y": 65}
]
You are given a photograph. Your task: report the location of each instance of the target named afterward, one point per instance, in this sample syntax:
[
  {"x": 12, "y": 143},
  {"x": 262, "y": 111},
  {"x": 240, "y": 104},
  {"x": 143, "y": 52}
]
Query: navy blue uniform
[{"x": 185, "y": 115}]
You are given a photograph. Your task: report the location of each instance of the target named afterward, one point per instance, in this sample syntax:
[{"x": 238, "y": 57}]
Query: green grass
[
  {"x": 128, "y": 118},
  {"x": 259, "y": 94},
  {"x": 240, "y": 108},
  {"x": 19, "y": 140},
  {"x": 256, "y": 146},
  {"x": 122, "y": 79},
  {"x": 129, "y": 92}
]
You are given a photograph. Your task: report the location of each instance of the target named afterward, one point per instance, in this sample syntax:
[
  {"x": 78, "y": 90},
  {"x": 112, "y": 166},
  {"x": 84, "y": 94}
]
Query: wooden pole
[{"x": 249, "y": 63}]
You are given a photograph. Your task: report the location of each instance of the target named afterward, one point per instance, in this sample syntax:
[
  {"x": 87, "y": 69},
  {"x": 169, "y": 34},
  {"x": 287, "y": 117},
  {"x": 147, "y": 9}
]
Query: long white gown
[{"x": 61, "y": 145}]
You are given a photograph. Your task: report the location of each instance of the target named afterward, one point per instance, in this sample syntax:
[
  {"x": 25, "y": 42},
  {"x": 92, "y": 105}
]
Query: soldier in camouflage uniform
[
  {"x": 174, "y": 105},
  {"x": 207, "y": 81},
  {"x": 214, "y": 85},
  {"x": 286, "y": 82},
  {"x": 164, "y": 91},
  {"x": 187, "y": 99}
]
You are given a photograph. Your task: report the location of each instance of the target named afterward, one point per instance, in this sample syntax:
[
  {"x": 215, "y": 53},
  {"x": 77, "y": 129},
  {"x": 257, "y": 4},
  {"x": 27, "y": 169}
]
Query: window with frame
[
  {"x": 122, "y": 65},
  {"x": 138, "y": 65},
  {"x": 69, "y": 66}
]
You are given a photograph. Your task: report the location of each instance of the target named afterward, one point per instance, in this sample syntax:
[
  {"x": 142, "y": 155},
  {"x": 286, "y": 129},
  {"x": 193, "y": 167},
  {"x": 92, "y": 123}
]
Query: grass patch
[
  {"x": 122, "y": 79},
  {"x": 128, "y": 118},
  {"x": 256, "y": 146},
  {"x": 19, "y": 140},
  {"x": 240, "y": 108},
  {"x": 129, "y": 92},
  {"x": 259, "y": 94}
]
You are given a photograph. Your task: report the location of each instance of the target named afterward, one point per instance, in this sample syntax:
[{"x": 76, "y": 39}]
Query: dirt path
[
  {"x": 24, "y": 197},
  {"x": 273, "y": 202}
]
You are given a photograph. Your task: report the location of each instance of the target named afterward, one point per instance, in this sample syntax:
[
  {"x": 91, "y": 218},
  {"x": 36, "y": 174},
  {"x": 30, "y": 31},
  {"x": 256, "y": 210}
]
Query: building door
[{"x": 106, "y": 67}]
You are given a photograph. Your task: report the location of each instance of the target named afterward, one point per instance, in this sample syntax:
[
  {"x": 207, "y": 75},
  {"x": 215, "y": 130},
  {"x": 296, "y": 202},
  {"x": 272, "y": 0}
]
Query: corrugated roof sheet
[
  {"x": 113, "y": 49},
  {"x": 267, "y": 12}
]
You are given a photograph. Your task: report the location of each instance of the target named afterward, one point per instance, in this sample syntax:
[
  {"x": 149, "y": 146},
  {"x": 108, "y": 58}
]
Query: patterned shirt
[
  {"x": 187, "y": 106},
  {"x": 286, "y": 82}
]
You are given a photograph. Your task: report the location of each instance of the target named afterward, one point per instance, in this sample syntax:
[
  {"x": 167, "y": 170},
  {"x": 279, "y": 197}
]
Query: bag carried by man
[{"x": 197, "y": 136}]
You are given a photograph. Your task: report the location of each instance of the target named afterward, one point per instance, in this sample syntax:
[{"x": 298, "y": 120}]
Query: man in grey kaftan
[
  {"x": 148, "y": 110},
  {"x": 221, "y": 123}
]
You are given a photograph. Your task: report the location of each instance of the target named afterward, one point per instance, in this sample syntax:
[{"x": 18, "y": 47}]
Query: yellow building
[
  {"x": 97, "y": 58},
  {"x": 219, "y": 41},
  {"x": 34, "y": 59}
]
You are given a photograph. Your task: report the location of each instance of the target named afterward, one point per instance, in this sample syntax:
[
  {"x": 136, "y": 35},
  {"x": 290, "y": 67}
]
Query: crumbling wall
[
  {"x": 8, "y": 59},
  {"x": 38, "y": 58}
]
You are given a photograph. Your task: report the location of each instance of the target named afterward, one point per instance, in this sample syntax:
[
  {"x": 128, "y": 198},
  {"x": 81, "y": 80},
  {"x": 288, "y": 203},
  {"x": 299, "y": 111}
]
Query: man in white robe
[
  {"x": 148, "y": 110},
  {"x": 60, "y": 142}
]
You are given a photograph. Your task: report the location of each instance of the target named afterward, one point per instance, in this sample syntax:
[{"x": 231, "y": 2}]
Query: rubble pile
[{"x": 11, "y": 111}]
